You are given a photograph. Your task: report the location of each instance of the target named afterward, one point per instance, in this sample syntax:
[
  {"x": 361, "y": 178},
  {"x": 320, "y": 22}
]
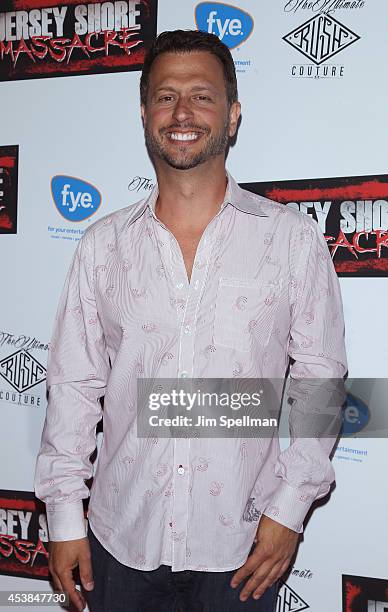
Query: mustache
[{"x": 185, "y": 126}]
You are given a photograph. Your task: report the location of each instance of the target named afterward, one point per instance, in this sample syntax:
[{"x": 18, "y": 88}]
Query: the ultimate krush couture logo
[
  {"x": 22, "y": 341},
  {"x": 319, "y": 39},
  {"x": 67, "y": 38},
  {"x": 289, "y": 601},
  {"x": 140, "y": 183},
  {"x": 22, "y": 371},
  {"x": 322, "y": 6}
]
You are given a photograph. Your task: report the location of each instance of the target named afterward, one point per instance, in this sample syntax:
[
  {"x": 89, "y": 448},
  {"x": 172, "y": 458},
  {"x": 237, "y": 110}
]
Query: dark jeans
[{"x": 119, "y": 588}]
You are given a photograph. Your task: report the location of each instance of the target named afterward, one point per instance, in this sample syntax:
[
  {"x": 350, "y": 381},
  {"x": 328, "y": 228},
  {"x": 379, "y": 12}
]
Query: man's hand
[
  {"x": 63, "y": 558},
  {"x": 275, "y": 546}
]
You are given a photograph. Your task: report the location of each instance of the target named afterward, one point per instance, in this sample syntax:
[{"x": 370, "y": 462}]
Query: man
[{"x": 201, "y": 279}]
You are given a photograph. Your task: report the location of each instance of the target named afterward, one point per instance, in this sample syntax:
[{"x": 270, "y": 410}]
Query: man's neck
[{"x": 189, "y": 199}]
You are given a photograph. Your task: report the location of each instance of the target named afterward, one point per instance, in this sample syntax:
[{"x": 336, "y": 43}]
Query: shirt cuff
[
  {"x": 289, "y": 506},
  {"x": 66, "y": 521}
]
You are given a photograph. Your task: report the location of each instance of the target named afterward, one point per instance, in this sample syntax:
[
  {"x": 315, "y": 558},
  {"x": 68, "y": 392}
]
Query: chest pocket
[{"x": 245, "y": 312}]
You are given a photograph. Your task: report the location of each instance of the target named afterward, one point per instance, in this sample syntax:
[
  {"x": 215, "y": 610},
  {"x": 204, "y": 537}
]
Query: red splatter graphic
[
  {"x": 13, "y": 568},
  {"x": 360, "y": 266},
  {"x": 102, "y": 64},
  {"x": 7, "y": 162},
  {"x": 17, "y": 504},
  {"x": 5, "y": 221},
  {"x": 351, "y": 592},
  {"x": 374, "y": 188}
]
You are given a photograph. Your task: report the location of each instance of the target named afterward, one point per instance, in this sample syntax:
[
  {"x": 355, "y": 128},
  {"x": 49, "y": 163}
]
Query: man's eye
[
  {"x": 203, "y": 97},
  {"x": 165, "y": 98}
]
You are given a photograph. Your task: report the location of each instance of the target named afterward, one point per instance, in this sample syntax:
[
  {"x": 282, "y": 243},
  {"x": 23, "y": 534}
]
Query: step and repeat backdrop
[{"x": 312, "y": 78}]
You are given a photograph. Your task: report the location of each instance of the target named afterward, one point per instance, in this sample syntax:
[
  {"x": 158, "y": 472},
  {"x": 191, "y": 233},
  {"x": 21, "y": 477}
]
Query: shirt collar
[
  {"x": 243, "y": 200},
  {"x": 239, "y": 198}
]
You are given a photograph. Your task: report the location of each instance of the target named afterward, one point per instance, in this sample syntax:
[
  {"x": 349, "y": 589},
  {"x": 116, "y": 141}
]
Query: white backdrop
[{"x": 292, "y": 128}]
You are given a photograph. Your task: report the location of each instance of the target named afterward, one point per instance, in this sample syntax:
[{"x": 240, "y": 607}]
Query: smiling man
[{"x": 201, "y": 279}]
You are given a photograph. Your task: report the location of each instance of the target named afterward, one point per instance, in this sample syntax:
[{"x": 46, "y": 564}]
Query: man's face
[{"x": 186, "y": 116}]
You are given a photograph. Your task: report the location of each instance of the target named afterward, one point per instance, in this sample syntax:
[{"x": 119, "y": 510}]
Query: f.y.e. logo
[
  {"x": 75, "y": 199},
  {"x": 355, "y": 415},
  {"x": 231, "y": 24}
]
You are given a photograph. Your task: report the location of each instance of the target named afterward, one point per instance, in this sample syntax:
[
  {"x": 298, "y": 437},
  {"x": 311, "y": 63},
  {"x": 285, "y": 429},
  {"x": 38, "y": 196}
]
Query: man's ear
[{"x": 234, "y": 116}]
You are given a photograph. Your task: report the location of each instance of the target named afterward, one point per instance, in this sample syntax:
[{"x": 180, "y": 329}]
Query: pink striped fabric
[{"x": 263, "y": 289}]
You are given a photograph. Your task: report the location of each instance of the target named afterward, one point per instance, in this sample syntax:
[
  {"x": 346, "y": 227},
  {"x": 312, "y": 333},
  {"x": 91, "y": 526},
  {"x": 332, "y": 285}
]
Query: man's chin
[{"x": 183, "y": 164}]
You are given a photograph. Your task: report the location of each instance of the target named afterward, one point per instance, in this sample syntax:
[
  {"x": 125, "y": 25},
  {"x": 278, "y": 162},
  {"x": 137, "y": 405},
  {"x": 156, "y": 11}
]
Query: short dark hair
[{"x": 190, "y": 41}]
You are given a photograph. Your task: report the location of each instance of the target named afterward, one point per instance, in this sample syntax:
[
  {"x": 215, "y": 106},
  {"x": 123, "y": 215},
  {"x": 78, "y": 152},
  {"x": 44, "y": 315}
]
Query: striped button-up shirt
[{"x": 263, "y": 290}]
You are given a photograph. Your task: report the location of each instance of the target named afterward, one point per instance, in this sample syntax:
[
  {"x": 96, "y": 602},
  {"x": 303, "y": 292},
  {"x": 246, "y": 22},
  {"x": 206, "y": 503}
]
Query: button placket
[
  {"x": 178, "y": 285},
  {"x": 180, "y": 502},
  {"x": 182, "y": 445},
  {"x": 194, "y": 295},
  {"x": 192, "y": 292}
]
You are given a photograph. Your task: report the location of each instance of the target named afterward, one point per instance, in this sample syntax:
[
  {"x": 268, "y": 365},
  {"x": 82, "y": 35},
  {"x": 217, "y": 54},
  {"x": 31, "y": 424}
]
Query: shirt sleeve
[
  {"x": 316, "y": 389},
  {"x": 77, "y": 372}
]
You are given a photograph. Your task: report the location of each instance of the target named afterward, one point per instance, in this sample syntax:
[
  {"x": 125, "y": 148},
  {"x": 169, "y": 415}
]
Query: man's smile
[{"x": 183, "y": 136}]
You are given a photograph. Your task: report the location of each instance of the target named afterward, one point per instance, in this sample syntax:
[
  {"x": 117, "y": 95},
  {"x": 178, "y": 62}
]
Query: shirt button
[
  {"x": 187, "y": 329},
  {"x": 184, "y": 374},
  {"x": 181, "y": 470}
]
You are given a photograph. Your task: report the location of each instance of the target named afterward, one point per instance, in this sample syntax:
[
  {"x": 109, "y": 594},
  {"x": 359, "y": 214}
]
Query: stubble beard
[{"x": 184, "y": 160}]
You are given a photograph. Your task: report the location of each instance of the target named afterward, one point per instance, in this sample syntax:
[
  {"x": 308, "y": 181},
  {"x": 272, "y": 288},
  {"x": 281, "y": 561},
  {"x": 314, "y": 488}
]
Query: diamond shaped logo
[
  {"x": 320, "y": 38},
  {"x": 22, "y": 371},
  {"x": 289, "y": 601}
]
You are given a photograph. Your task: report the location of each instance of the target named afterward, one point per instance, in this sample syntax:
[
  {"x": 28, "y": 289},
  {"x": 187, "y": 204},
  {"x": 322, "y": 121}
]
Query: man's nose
[{"x": 182, "y": 109}]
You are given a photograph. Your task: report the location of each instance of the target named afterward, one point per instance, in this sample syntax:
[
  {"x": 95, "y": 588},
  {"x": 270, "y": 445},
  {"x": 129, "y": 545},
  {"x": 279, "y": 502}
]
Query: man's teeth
[{"x": 189, "y": 136}]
